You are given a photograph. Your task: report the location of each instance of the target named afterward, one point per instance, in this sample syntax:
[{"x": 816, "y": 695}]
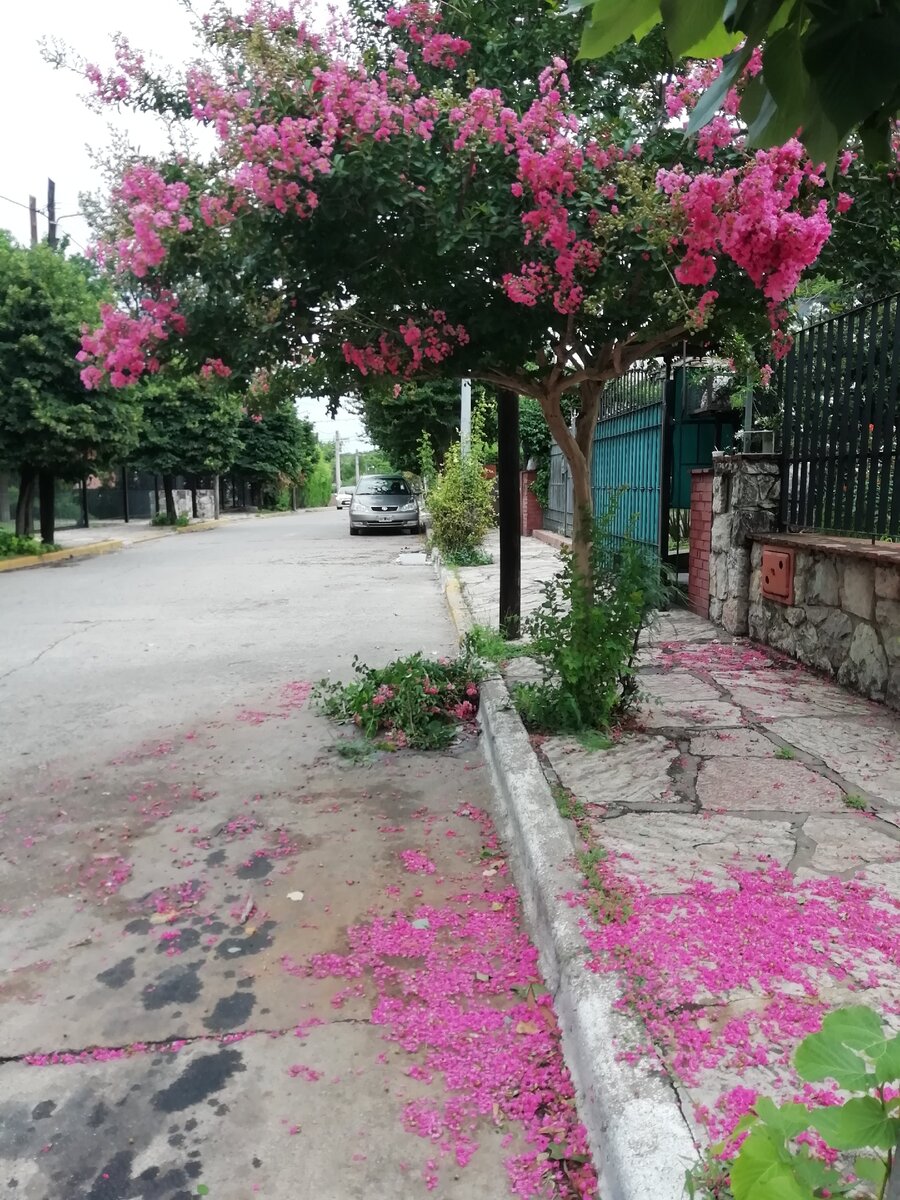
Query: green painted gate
[{"x": 651, "y": 435}]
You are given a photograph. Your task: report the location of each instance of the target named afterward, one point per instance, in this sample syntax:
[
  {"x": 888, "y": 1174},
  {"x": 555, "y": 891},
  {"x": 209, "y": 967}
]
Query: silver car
[
  {"x": 384, "y": 502},
  {"x": 344, "y": 496}
]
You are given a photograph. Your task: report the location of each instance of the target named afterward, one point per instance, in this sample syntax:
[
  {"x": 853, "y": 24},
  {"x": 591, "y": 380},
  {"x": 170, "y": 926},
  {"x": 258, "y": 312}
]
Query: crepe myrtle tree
[{"x": 400, "y": 216}]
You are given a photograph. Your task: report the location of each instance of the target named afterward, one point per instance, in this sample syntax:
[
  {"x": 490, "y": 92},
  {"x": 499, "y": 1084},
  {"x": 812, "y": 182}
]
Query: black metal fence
[{"x": 841, "y": 424}]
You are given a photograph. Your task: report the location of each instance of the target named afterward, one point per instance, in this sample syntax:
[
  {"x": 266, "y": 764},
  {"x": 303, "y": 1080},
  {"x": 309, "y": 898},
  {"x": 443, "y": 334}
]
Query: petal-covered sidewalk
[{"x": 743, "y": 861}]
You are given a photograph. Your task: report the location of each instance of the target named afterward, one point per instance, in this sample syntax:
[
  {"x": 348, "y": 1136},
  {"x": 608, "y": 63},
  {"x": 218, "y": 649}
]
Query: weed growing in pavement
[
  {"x": 492, "y": 646},
  {"x": 412, "y": 701},
  {"x": 853, "y": 801},
  {"x": 585, "y": 635},
  {"x": 605, "y": 903},
  {"x": 355, "y": 751},
  {"x": 570, "y": 807},
  {"x": 468, "y": 556},
  {"x": 786, "y": 753},
  {"x": 708, "y": 1179},
  {"x": 593, "y": 739}
]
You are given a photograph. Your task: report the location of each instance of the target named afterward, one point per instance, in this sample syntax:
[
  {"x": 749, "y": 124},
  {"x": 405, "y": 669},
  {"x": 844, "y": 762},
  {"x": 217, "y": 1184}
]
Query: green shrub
[
  {"x": 163, "y": 518},
  {"x": 13, "y": 546},
  {"x": 315, "y": 491},
  {"x": 461, "y": 502},
  {"x": 585, "y": 638},
  {"x": 414, "y": 701}
]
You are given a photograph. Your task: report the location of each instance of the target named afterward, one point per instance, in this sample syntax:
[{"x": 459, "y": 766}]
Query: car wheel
[{"x": 353, "y": 532}]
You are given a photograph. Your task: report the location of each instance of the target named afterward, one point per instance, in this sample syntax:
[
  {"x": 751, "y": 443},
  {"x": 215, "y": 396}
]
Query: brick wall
[
  {"x": 532, "y": 515},
  {"x": 701, "y": 538}
]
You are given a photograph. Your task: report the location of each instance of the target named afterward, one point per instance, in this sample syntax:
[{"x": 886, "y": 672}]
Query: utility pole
[
  {"x": 51, "y": 214},
  {"x": 510, "y": 515},
  {"x": 357, "y": 468},
  {"x": 465, "y": 416},
  {"x": 337, "y": 461},
  {"x": 32, "y": 212}
]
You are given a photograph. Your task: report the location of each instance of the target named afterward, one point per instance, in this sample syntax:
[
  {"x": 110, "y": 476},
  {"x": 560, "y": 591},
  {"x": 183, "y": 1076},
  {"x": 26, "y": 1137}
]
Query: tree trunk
[
  {"x": 24, "y": 514},
  {"x": 168, "y": 485},
  {"x": 194, "y": 513},
  {"x": 47, "y": 499},
  {"x": 578, "y": 451},
  {"x": 4, "y": 496}
]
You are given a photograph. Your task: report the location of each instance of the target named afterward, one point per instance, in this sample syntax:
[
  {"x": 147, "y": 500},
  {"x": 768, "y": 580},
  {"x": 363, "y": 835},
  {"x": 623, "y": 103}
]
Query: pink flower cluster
[
  {"x": 418, "y": 20},
  {"x": 118, "y": 349},
  {"x": 418, "y": 345},
  {"x": 752, "y": 217},
  {"x": 152, "y": 205},
  {"x": 117, "y": 85}
]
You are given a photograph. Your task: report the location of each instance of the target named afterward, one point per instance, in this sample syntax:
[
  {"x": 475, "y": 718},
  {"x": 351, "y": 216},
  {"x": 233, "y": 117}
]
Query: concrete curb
[
  {"x": 556, "y": 540},
  {"x": 640, "y": 1141},
  {"x": 25, "y": 562}
]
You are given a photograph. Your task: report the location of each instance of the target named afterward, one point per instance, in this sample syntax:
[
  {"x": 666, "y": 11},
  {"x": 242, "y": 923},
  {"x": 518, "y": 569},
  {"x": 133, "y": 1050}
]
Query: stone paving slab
[
  {"x": 866, "y": 755},
  {"x": 736, "y": 893},
  {"x": 771, "y": 785},
  {"x": 636, "y": 771},
  {"x": 668, "y": 854}
]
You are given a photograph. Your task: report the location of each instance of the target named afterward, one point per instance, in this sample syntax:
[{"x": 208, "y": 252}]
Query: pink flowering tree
[{"x": 413, "y": 197}]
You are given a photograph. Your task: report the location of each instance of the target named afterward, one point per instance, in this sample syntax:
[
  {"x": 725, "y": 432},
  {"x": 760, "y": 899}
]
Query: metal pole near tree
[
  {"x": 465, "y": 416},
  {"x": 337, "y": 461},
  {"x": 510, "y": 514}
]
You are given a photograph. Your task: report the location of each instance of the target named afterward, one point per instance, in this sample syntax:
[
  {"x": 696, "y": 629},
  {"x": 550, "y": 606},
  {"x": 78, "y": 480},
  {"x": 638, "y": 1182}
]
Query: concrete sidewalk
[
  {"x": 129, "y": 533},
  {"x": 743, "y": 869}
]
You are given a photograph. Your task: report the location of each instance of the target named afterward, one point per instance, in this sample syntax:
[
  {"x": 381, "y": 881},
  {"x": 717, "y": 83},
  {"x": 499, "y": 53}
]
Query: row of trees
[
  {"x": 437, "y": 193},
  {"x": 177, "y": 422}
]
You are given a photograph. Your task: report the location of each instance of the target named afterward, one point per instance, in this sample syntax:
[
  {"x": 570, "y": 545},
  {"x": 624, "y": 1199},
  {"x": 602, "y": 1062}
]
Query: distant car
[
  {"x": 343, "y": 498},
  {"x": 384, "y": 502}
]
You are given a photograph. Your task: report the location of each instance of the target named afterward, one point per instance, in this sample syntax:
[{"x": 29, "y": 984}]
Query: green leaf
[
  {"x": 784, "y": 72},
  {"x": 853, "y": 63},
  {"x": 762, "y": 1170},
  {"x": 887, "y": 1063},
  {"x": 711, "y": 100},
  {"x": 788, "y": 1119},
  {"x": 613, "y": 22},
  {"x": 872, "y": 1169},
  {"x": 826, "y": 1055},
  {"x": 717, "y": 43},
  {"x": 859, "y": 1124},
  {"x": 688, "y": 24},
  {"x": 856, "y": 1026}
]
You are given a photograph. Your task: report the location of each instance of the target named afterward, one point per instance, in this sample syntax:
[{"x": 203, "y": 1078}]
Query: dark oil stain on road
[{"x": 199, "y": 1080}]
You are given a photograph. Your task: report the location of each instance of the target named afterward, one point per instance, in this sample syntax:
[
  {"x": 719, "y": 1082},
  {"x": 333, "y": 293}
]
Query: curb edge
[
  {"x": 639, "y": 1137},
  {"x": 26, "y": 562}
]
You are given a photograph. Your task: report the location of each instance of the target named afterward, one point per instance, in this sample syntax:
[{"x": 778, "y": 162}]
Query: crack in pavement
[
  {"x": 83, "y": 628},
  {"x": 180, "y": 1041}
]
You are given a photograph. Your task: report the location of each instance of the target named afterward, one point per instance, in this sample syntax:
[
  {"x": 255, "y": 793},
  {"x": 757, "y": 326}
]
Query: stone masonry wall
[
  {"x": 845, "y": 618},
  {"x": 745, "y": 500}
]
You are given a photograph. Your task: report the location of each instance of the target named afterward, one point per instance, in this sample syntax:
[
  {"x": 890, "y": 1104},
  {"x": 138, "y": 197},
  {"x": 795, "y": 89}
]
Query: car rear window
[{"x": 376, "y": 486}]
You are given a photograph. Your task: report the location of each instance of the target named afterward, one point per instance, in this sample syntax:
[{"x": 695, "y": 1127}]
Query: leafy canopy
[
  {"x": 828, "y": 67},
  {"x": 47, "y": 419}
]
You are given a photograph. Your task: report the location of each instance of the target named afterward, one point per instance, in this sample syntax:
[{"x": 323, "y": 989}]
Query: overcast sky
[{"x": 47, "y": 127}]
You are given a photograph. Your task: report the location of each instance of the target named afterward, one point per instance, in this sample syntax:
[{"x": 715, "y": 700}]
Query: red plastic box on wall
[{"x": 778, "y": 574}]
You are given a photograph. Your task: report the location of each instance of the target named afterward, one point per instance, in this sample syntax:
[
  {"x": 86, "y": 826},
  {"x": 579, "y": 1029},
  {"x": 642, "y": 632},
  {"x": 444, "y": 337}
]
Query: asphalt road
[
  {"x": 111, "y": 650},
  {"x": 180, "y": 837}
]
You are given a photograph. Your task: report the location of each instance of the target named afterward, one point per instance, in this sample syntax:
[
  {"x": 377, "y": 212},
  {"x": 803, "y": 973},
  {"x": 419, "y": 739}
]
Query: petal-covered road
[{"x": 238, "y": 963}]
